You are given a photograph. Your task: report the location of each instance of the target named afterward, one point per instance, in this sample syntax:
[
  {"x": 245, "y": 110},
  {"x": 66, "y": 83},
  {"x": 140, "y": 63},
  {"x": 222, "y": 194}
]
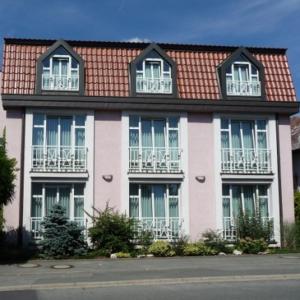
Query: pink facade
[
  {"x": 107, "y": 159},
  {"x": 285, "y": 152},
  {"x": 201, "y": 163}
]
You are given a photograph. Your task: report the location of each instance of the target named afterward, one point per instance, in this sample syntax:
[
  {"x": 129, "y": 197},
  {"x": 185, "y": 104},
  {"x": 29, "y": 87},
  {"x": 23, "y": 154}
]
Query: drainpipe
[
  {"x": 279, "y": 181},
  {"x": 21, "y": 229}
]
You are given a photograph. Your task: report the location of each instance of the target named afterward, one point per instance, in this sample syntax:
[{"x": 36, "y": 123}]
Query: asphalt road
[{"x": 245, "y": 277}]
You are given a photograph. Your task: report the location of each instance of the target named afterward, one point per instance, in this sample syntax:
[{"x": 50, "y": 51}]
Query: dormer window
[
  {"x": 241, "y": 75},
  {"x": 60, "y": 69},
  {"x": 153, "y": 72},
  {"x": 60, "y": 72},
  {"x": 242, "y": 79}
]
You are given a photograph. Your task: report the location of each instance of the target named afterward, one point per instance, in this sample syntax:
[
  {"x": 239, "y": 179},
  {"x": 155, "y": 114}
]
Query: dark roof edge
[{"x": 142, "y": 45}]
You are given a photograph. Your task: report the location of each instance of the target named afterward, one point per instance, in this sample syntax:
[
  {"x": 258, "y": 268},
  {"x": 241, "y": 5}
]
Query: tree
[
  {"x": 61, "y": 237},
  {"x": 7, "y": 174}
]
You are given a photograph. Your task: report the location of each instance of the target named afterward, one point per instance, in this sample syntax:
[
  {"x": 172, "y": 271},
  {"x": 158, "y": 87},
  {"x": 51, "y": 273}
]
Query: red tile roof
[{"x": 107, "y": 72}]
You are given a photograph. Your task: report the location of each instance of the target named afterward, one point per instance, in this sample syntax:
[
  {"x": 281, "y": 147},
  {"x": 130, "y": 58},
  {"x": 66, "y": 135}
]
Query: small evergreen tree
[
  {"x": 61, "y": 237},
  {"x": 7, "y": 173}
]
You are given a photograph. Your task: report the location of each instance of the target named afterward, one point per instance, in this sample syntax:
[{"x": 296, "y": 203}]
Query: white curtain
[
  {"x": 64, "y": 199},
  {"x": 159, "y": 200},
  {"x": 50, "y": 198},
  {"x": 173, "y": 201},
  {"x": 134, "y": 201},
  {"x": 249, "y": 199},
  {"x": 146, "y": 201}
]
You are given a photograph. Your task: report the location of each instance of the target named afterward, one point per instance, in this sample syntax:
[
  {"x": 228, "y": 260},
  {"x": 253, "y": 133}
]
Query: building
[
  {"x": 295, "y": 132},
  {"x": 180, "y": 137}
]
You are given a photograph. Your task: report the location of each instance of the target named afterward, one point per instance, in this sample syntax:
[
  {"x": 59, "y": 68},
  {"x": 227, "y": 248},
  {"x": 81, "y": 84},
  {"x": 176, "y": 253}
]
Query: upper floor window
[
  {"x": 60, "y": 72},
  {"x": 60, "y": 69},
  {"x": 153, "y": 72},
  {"x": 241, "y": 75}
]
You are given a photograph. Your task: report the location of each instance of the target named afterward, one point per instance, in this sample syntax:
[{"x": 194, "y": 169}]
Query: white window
[
  {"x": 153, "y": 75},
  {"x": 60, "y": 72},
  {"x": 242, "y": 79},
  {"x": 58, "y": 142}
]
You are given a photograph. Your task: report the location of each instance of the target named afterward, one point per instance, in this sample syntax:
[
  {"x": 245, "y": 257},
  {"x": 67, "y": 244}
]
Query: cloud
[{"x": 138, "y": 40}]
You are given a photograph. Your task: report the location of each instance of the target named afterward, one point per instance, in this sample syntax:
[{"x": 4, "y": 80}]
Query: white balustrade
[
  {"x": 59, "y": 158},
  {"x": 246, "y": 160},
  {"x": 36, "y": 226},
  {"x": 60, "y": 82},
  {"x": 243, "y": 88},
  {"x": 161, "y": 228},
  {"x": 155, "y": 159},
  {"x": 154, "y": 85},
  {"x": 230, "y": 228}
]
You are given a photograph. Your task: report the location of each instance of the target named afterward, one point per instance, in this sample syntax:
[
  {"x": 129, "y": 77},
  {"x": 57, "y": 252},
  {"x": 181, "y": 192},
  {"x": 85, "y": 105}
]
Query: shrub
[
  {"x": 297, "y": 206},
  {"x": 194, "y": 249},
  {"x": 162, "y": 249},
  {"x": 112, "y": 231},
  {"x": 179, "y": 244},
  {"x": 123, "y": 255},
  {"x": 214, "y": 240},
  {"x": 144, "y": 239},
  {"x": 61, "y": 238},
  {"x": 252, "y": 246},
  {"x": 291, "y": 235},
  {"x": 254, "y": 227}
]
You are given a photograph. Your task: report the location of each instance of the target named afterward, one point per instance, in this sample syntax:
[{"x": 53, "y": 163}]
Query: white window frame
[
  {"x": 256, "y": 196},
  {"x": 58, "y": 186},
  {"x": 160, "y": 61},
  {"x": 249, "y": 74},
  {"x": 166, "y": 200}
]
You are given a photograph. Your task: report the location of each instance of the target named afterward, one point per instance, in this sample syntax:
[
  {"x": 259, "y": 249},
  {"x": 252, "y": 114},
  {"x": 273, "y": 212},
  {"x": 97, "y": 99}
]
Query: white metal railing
[
  {"x": 247, "y": 160},
  {"x": 36, "y": 227},
  {"x": 243, "y": 88},
  {"x": 230, "y": 228},
  {"x": 155, "y": 159},
  {"x": 60, "y": 82},
  {"x": 161, "y": 228},
  {"x": 154, "y": 85},
  {"x": 59, "y": 158}
]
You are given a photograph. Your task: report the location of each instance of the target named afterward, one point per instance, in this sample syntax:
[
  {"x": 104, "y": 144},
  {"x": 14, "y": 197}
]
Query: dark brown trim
[
  {"x": 141, "y": 57},
  {"x": 150, "y": 104},
  {"x": 133, "y": 45},
  {"x": 230, "y": 60},
  {"x": 39, "y": 70}
]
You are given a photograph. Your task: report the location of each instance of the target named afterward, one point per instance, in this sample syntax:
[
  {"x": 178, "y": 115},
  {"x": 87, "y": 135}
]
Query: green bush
[
  {"x": 61, "y": 238},
  {"x": 123, "y": 255},
  {"x": 214, "y": 240},
  {"x": 162, "y": 249},
  {"x": 252, "y": 246},
  {"x": 199, "y": 248},
  {"x": 297, "y": 206},
  {"x": 144, "y": 239},
  {"x": 291, "y": 235},
  {"x": 179, "y": 244},
  {"x": 254, "y": 227},
  {"x": 112, "y": 231}
]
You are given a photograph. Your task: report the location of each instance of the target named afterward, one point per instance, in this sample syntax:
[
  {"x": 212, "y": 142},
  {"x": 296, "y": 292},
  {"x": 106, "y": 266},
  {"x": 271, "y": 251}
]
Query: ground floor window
[
  {"x": 70, "y": 196},
  {"x": 250, "y": 199},
  {"x": 154, "y": 200}
]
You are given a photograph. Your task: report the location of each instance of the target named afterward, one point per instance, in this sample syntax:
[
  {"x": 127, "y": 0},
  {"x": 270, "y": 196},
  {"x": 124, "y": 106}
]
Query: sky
[{"x": 266, "y": 23}]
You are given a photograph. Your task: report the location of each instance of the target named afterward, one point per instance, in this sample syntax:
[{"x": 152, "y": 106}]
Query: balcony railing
[
  {"x": 230, "y": 228},
  {"x": 243, "y": 88},
  {"x": 247, "y": 161},
  {"x": 154, "y": 160},
  {"x": 59, "y": 159},
  {"x": 60, "y": 82},
  {"x": 154, "y": 85},
  {"x": 36, "y": 227},
  {"x": 161, "y": 228}
]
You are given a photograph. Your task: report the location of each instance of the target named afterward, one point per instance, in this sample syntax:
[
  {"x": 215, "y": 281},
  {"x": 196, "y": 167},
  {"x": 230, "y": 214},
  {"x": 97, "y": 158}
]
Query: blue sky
[{"x": 274, "y": 23}]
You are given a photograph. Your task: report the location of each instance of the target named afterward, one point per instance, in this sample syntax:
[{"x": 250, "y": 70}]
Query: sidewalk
[{"x": 150, "y": 271}]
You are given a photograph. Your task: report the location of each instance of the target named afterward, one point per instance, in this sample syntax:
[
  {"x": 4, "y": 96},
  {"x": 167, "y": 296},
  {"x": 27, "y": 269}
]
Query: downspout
[
  {"x": 279, "y": 182},
  {"x": 21, "y": 229}
]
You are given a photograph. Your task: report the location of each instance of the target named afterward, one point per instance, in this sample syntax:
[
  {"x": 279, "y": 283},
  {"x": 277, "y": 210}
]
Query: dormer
[
  {"x": 153, "y": 72},
  {"x": 242, "y": 77},
  {"x": 60, "y": 70}
]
